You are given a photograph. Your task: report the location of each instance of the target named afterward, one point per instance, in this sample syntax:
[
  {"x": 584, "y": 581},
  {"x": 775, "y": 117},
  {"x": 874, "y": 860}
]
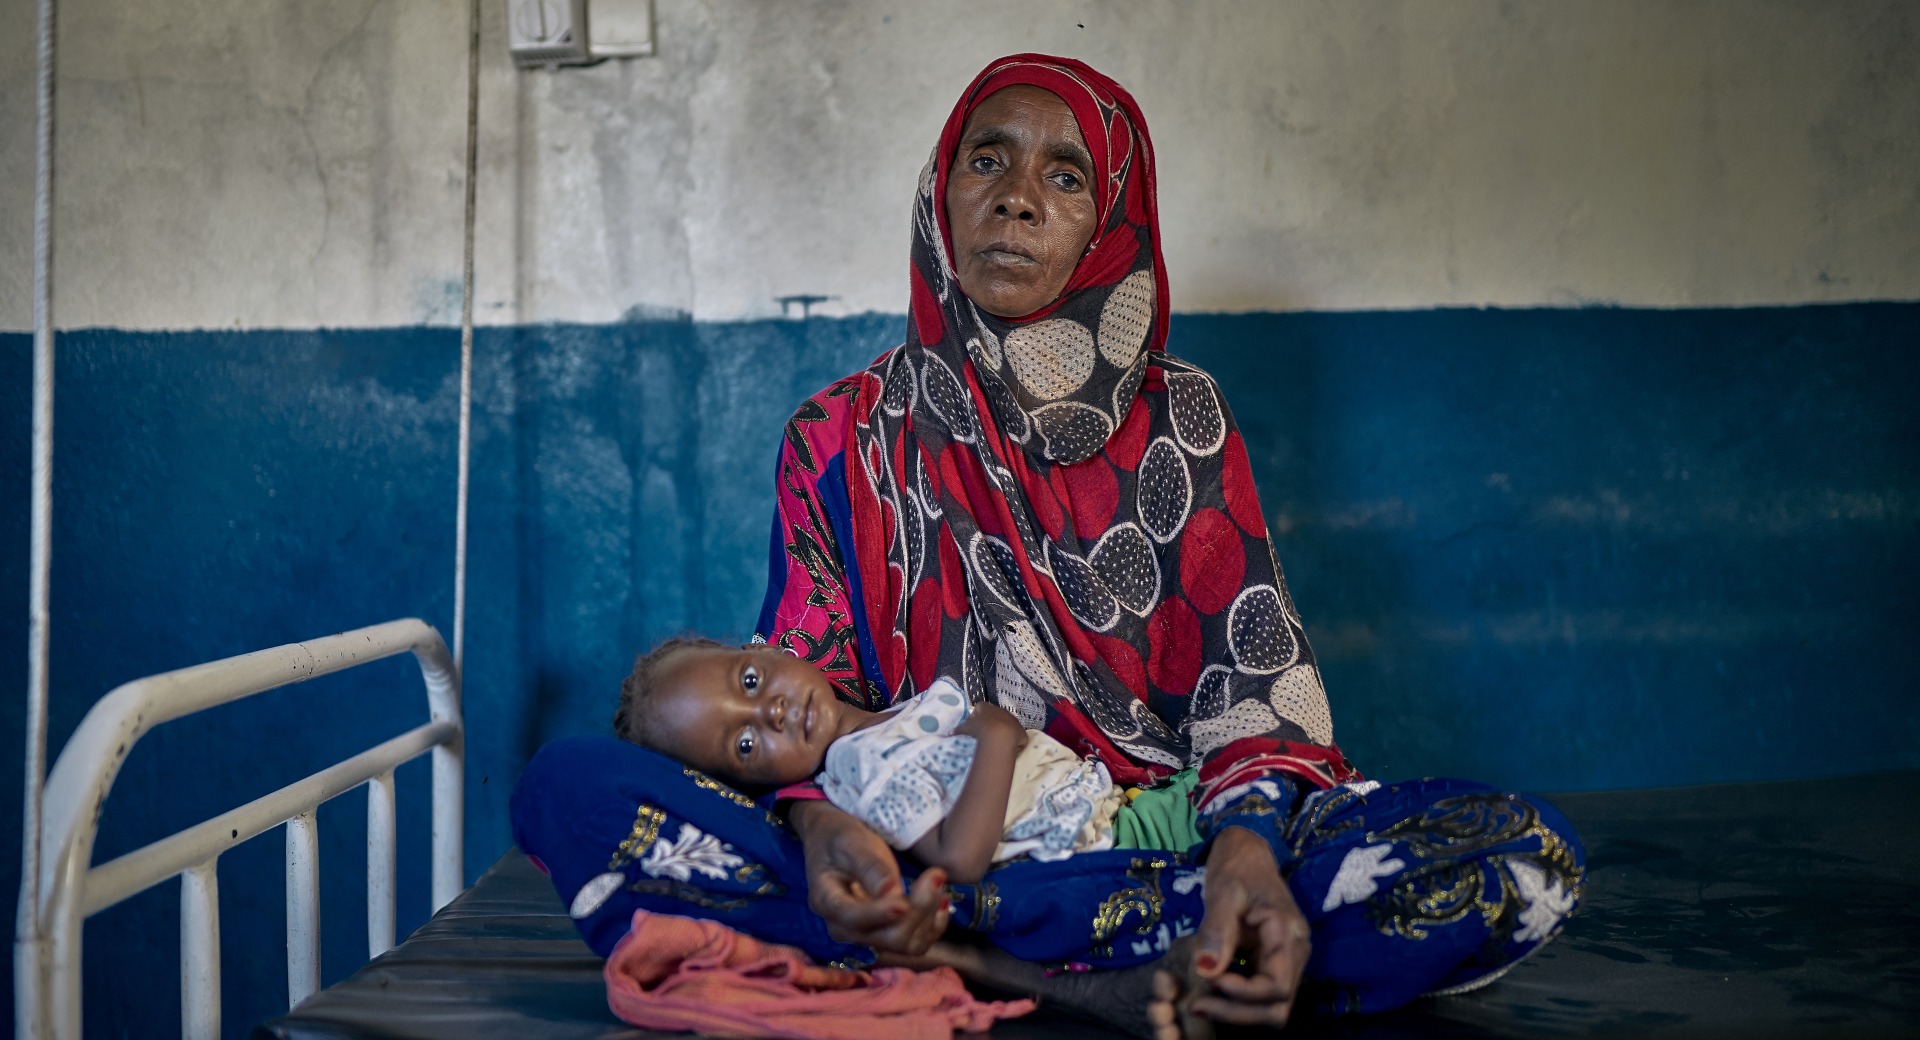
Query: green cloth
[{"x": 1160, "y": 817}]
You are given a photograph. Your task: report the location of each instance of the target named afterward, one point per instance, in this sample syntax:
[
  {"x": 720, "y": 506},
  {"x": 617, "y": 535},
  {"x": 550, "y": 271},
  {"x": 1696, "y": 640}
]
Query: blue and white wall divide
[{"x": 1574, "y": 345}]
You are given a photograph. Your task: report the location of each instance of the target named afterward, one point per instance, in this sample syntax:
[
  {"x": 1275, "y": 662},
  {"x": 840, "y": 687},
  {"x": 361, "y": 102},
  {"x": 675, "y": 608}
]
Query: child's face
[{"x": 755, "y": 716}]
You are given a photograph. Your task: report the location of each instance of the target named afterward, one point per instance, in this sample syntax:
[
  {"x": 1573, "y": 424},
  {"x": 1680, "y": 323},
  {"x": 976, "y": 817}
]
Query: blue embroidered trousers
[{"x": 1410, "y": 888}]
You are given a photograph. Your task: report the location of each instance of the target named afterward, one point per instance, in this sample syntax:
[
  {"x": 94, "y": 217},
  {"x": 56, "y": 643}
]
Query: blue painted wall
[{"x": 1555, "y": 548}]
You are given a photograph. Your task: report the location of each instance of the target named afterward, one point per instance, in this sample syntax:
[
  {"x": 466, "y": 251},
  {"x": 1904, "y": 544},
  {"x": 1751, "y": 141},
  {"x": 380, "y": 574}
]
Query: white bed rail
[{"x": 47, "y": 958}]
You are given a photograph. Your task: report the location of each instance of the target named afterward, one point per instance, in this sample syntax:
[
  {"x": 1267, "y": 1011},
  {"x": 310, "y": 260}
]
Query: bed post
[
  {"x": 31, "y": 955},
  {"x": 47, "y": 957}
]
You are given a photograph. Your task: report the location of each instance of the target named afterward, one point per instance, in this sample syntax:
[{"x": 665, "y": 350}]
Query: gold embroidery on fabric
[
  {"x": 702, "y": 780},
  {"x": 756, "y": 874},
  {"x": 1428, "y": 896},
  {"x": 1444, "y": 890},
  {"x": 1143, "y": 895},
  {"x": 1311, "y": 822},
  {"x": 1555, "y": 859},
  {"x": 986, "y": 906},
  {"x": 1114, "y": 909},
  {"x": 1252, "y": 805},
  {"x": 705, "y": 782},
  {"x": 1464, "y": 823},
  {"x": 646, "y": 828},
  {"x": 1555, "y": 853},
  {"x": 983, "y": 900},
  {"x": 686, "y": 894},
  {"x": 1446, "y": 902}
]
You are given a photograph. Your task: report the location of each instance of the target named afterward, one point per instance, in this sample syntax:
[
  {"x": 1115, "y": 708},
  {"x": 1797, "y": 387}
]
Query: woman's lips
[{"x": 1006, "y": 253}]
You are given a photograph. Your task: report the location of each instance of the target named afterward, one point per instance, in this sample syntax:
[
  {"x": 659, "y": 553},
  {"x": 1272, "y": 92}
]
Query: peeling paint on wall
[{"x": 240, "y": 165}]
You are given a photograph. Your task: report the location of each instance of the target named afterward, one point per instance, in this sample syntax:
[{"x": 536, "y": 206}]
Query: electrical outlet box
[
  {"x": 548, "y": 32},
  {"x": 619, "y": 28}
]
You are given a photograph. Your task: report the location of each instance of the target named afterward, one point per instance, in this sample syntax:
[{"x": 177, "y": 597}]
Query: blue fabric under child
[{"x": 1410, "y": 888}]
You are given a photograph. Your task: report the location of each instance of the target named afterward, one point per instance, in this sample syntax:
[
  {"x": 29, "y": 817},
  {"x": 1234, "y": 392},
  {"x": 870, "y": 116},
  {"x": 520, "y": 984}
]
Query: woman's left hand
[
  {"x": 853, "y": 883},
  {"x": 1249, "y": 907}
]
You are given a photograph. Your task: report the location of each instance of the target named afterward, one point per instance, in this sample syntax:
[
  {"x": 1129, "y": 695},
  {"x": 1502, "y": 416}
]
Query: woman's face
[{"x": 1019, "y": 201}]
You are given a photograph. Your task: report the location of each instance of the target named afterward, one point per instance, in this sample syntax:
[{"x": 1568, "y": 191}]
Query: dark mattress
[{"x": 1778, "y": 909}]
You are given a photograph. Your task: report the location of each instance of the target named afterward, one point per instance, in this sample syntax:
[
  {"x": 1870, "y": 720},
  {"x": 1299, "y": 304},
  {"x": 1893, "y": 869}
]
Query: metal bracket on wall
[{"x": 552, "y": 33}]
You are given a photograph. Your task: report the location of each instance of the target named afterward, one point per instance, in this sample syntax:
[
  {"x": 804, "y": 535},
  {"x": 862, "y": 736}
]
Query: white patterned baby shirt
[{"x": 902, "y": 776}]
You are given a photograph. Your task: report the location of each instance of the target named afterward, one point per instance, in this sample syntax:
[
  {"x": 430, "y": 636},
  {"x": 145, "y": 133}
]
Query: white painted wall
[{"x": 297, "y": 163}]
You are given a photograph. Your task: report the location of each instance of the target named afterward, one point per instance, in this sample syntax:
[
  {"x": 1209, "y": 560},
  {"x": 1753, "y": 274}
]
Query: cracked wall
[{"x": 231, "y": 164}]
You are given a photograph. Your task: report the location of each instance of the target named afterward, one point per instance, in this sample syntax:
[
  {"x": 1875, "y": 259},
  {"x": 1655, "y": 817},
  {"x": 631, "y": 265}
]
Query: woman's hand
[
  {"x": 853, "y": 883},
  {"x": 1249, "y": 907}
]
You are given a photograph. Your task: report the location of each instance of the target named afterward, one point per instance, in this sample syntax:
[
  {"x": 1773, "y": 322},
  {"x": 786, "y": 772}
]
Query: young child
[{"x": 960, "y": 785}]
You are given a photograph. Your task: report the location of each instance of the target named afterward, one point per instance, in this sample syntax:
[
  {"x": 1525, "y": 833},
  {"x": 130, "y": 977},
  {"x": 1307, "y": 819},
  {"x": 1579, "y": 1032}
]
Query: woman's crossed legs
[{"x": 1421, "y": 887}]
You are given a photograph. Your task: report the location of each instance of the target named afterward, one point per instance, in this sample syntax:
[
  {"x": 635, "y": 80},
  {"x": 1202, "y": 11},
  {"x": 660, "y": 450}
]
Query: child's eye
[
  {"x": 750, "y": 679},
  {"x": 745, "y": 744}
]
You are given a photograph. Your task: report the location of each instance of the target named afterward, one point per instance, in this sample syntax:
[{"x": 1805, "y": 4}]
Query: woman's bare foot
[{"x": 1151, "y": 1002}]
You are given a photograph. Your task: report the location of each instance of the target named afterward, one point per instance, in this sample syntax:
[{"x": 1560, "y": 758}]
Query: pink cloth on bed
[{"x": 676, "y": 973}]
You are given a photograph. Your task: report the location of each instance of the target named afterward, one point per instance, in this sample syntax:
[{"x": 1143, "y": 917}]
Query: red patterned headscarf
[
  {"x": 1074, "y": 366},
  {"x": 1057, "y": 515}
]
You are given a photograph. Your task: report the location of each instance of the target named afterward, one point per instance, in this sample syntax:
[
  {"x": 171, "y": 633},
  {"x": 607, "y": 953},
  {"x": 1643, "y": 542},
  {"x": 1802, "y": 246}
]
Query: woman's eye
[
  {"x": 744, "y": 745},
  {"x": 1069, "y": 181},
  {"x": 750, "y": 679},
  {"x": 984, "y": 164}
]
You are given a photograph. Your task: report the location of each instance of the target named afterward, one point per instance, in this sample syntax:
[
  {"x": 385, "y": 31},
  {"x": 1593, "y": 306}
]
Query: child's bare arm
[{"x": 963, "y": 843}]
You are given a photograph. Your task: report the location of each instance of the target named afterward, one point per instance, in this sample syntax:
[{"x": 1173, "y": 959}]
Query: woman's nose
[
  {"x": 1018, "y": 194},
  {"x": 1016, "y": 210}
]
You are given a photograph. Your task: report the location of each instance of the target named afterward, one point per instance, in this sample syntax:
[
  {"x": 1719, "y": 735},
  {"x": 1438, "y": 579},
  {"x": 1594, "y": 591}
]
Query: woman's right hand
[{"x": 853, "y": 883}]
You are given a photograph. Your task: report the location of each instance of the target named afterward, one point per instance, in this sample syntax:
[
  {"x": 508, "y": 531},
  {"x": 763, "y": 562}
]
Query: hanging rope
[
  {"x": 466, "y": 345},
  {"x": 42, "y": 510}
]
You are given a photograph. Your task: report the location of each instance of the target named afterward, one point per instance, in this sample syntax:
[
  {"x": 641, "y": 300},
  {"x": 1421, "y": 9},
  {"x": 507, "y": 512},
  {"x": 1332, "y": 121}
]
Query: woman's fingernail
[
  {"x": 1206, "y": 962},
  {"x": 896, "y": 911},
  {"x": 946, "y": 903}
]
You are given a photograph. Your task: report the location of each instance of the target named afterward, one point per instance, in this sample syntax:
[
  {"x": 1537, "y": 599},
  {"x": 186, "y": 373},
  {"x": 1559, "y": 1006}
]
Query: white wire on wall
[
  {"x": 41, "y": 524},
  {"x": 466, "y": 345}
]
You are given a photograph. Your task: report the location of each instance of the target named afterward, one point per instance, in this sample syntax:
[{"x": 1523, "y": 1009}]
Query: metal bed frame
[
  {"x": 59, "y": 886},
  {"x": 47, "y": 962}
]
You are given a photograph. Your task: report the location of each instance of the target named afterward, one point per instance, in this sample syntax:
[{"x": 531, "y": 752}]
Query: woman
[{"x": 1029, "y": 497}]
